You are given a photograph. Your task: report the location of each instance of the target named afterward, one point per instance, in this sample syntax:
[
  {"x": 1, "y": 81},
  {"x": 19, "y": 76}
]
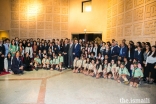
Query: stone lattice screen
[
  {"x": 131, "y": 19},
  {"x": 51, "y": 21}
]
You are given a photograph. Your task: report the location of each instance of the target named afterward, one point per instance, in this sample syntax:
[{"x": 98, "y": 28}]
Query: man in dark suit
[
  {"x": 77, "y": 49},
  {"x": 58, "y": 47},
  {"x": 114, "y": 51},
  {"x": 65, "y": 53},
  {"x": 70, "y": 54},
  {"x": 123, "y": 51},
  {"x": 17, "y": 65},
  {"x": 2, "y": 55}
]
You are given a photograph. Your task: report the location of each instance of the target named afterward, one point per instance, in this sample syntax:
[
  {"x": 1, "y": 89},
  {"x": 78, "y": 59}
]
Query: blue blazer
[
  {"x": 115, "y": 51},
  {"x": 16, "y": 65},
  {"x": 124, "y": 52},
  {"x": 77, "y": 50},
  {"x": 139, "y": 56}
]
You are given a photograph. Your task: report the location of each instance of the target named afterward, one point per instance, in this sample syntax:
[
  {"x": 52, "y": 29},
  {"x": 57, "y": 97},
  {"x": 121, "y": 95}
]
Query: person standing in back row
[
  {"x": 65, "y": 53},
  {"x": 2, "y": 53},
  {"x": 70, "y": 54},
  {"x": 77, "y": 49}
]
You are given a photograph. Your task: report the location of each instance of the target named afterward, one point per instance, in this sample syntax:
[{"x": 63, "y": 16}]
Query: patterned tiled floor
[{"x": 53, "y": 87}]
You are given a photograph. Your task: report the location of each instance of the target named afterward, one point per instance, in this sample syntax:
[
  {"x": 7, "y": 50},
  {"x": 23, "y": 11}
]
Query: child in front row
[
  {"x": 123, "y": 74},
  {"x": 37, "y": 62},
  {"x": 54, "y": 63},
  {"x": 117, "y": 68},
  {"x": 45, "y": 62},
  {"x": 83, "y": 62},
  {"x": 60, "y": 58},
  {"x": 86, "y": 66},
  {"x": 78, "y": 65},
  {"x": 91, "y": 68},
  {"x": 112, "y": 68},
  {"x": 105, "y": 68},
  {"x": 75, "y": 64},
  {"x": 98, "y": 69},
  {"x": 8, "y": 62},
  {"x": 136, "y": 75}
]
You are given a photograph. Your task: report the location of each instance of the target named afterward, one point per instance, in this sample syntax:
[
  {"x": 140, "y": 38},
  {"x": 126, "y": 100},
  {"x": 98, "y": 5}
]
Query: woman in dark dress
[{"x": 27, "y": 63}]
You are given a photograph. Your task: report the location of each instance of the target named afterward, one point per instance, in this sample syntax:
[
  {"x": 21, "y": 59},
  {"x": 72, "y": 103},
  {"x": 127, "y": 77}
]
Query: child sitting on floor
[
  {"x": 45, "y": 62},
  {"x": 75, "y": 64},
  {"x": 105, "y": 68},
  {"x": 54, "y": 63},
  {"x": 86, "y": 66},
  {"x": 60, "y": 58},
  {"x": 98, "y": 69},
  {"x": 123, "y": 74},
  {"x": 37, "y": 63},
  {"x": 136, "y": 75}
]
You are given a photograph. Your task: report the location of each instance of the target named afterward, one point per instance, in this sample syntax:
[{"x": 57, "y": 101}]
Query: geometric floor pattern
[{"x": 53, "y": 87}]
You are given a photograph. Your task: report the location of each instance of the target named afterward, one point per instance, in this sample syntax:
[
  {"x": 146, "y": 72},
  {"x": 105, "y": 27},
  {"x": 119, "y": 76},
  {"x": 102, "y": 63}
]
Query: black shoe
[
  {"x": 36, "y": 69},
  {"x": 151, "y": 82},
  {"x": 146, "y": 81},
  {"x": 48, "y": 68}
]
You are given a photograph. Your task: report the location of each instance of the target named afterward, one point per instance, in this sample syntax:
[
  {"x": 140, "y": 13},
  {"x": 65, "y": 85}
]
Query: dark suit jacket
[
  {"x": 115, "y": 51},
  {"x": 131, "y": 54},
  {"x": 57, "y": 50},
  {"x": 16, "y": 65},
  {"x": 2, "y": 49},
  {"x": 77, "y": 50},
  {"x": 46, "y": 48},
  {"x": 139, "y": 56},
  {"x": 65, "y": 48},
  {"x": 107, "y": 52},
  {"x": 41, "y": 48},
  {"x": 40, "y": 56},
  {"x": 124, "y": 52}
]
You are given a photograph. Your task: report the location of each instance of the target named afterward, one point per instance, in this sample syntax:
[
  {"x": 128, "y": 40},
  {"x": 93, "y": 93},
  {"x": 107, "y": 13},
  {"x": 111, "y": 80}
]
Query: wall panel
[
  {"x": 136, "y": 20},
  {"x": 50, "y": 22}
]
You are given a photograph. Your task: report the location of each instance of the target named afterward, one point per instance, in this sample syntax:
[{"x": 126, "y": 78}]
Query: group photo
[
  {"x": 77, "y": 51},
  {"x": 129, "y": 62}
]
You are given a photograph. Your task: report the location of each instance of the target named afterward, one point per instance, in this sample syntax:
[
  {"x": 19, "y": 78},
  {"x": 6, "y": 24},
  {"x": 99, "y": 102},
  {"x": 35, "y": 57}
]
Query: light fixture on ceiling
[{"x": 88, "y": 8}]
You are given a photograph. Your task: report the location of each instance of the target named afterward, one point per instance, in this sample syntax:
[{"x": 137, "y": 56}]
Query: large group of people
[{"x": 125, "y": 62}]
